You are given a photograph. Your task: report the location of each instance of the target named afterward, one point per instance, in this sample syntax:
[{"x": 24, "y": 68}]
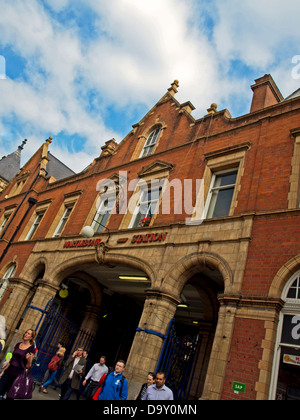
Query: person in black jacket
[{"x": 150, "y": 381}]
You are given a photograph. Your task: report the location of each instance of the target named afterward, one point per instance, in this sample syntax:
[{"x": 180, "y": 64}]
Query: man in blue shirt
[
  {"x": 159, "y": 391},
  {"x": 115, "y": 386}
]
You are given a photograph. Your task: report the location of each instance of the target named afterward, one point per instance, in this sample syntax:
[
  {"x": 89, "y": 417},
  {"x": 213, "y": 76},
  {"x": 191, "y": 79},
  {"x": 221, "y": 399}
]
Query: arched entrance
[
  {"x": 185, "y": 355},
  {"x": 99, "y": 309}
]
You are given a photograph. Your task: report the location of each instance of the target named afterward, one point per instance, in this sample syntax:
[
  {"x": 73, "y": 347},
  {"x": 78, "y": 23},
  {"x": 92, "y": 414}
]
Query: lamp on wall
[
  {"x": 101, "y": 248},
  {"x": 88, "y": 231},
  {"x": 63, "y": 293}
]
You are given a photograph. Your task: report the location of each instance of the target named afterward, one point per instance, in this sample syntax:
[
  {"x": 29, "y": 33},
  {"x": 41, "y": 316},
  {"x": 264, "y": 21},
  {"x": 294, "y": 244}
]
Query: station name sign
[
  {"x": 136, "y": 239},
  {"x": 82, "y": 243}
]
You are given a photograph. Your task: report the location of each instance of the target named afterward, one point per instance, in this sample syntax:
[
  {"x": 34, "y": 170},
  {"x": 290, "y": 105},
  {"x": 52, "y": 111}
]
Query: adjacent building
[{"x": 177, "y": 249}]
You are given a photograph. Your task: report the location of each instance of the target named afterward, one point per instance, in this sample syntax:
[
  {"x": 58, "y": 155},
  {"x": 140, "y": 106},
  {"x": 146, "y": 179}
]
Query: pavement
[{"x": 52, "y": 394}]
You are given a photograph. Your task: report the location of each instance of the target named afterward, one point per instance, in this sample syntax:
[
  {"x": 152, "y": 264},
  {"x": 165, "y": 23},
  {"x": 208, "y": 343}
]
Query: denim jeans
[{"x": 50, "y": 380}]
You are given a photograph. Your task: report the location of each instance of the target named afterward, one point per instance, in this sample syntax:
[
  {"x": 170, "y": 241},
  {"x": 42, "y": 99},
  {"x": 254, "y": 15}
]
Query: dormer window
[{"x": 150, "y": 142}]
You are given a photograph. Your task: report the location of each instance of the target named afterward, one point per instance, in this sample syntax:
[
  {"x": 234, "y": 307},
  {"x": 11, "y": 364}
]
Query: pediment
[{"x": 155, "y": 168}]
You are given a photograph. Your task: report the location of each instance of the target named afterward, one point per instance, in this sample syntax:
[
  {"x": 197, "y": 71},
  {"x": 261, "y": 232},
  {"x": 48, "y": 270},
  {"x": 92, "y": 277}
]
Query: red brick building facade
[{"x": 227, "y": 271}]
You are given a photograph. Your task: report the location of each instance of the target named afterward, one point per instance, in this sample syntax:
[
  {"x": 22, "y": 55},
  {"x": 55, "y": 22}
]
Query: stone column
[
  {"x": 44, "y": 292},
  {"x": 159, "y": 309},
  {"x": 15, "y": 305},
  {"x": 220, "y": 350},
  {"x": 91, "y": 320}
]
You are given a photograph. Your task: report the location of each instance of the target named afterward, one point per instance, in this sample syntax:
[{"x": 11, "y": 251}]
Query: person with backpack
[
  {"x": 53, "y": 367},
  {"x": 115, "y": 386}
]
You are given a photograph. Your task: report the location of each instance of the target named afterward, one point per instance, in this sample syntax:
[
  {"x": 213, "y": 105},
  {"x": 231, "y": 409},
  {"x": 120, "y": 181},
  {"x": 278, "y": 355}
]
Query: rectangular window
[
  {"x": 102, "y": 214},
  {"x": 34, "y": 226},
  {"x": 220, "y": 194},
  {"x": 5, "y": 220},
  {"x": 63, "y": 221},
  {"x": 146, "y": 206}
]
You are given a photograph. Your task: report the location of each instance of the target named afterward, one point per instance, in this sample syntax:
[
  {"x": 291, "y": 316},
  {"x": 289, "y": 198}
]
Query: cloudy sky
[{"x": 85, "y": 71}]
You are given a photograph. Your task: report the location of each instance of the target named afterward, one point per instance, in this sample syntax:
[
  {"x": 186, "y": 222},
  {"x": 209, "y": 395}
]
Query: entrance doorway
[
  {"x": 187, "y": 349},
  {"x": 103, "y": 303}
]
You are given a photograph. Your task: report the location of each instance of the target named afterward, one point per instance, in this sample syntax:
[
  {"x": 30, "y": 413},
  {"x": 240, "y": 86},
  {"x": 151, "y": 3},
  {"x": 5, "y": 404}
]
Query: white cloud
[{"x": 136, "y": 50}]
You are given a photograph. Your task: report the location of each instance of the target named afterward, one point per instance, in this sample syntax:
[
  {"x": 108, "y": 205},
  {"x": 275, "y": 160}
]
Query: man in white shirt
[
  {"x": 159, "y": 391},
  {"x": 94, "y": 374}
]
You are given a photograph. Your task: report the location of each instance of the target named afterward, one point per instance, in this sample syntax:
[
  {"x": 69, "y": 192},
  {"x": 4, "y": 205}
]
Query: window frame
[
  {"x": 35, "y": 225},
  {"x": 213, "y": 188},
  {"x": 141, "y": 201},
  {"x": 97, "y": 223},
  {"x": 9, "y": 273},
  {"x": 6, "y": 218},
  {"x": 291, "y": 307},
  {"x": 64, "y": 220},
  {"x": 150, "y": 142}
]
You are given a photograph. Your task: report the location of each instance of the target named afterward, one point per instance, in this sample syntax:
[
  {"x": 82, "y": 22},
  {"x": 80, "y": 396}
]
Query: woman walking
[
  {"x": 21, "y": 360},
  {"x": 54, "y": 366}
]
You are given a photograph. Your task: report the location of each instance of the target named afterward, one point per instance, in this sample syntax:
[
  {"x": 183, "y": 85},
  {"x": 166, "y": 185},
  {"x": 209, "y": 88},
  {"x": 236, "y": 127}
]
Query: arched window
[
  {"x": 150, "y": 142},
  {"x": 4, "y": 282},
  {"x": 285, "y": 383}
]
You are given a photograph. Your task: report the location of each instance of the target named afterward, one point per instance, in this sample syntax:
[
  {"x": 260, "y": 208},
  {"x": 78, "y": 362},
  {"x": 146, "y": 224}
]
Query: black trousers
[{"x": 6, "y": 382}]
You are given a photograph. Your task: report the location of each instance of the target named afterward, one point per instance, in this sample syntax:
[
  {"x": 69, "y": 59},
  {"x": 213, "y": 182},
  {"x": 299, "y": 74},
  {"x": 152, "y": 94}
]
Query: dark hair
[
  {"x": 151, "y": 374},
  {"x": 161, "y": 373}
]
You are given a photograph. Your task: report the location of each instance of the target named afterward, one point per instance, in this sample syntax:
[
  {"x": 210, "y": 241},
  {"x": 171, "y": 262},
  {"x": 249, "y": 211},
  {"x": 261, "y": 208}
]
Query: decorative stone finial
[
  {"x": 173, "y": 89},
  {"x": 212, "y": 109}
]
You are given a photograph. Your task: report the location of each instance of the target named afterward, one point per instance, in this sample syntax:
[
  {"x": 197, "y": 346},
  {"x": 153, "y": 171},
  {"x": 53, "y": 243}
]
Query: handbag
[{"x": 21, "y": 388}]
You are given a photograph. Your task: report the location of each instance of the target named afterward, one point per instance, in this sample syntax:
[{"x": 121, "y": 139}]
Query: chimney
[{"x": 265, "y": 93}]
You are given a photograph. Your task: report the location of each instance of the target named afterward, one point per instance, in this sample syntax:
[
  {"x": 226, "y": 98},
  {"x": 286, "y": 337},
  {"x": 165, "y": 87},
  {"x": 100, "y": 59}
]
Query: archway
[
  {"x": 196, "y": 320},
  {"x": 105, "y": 301}
]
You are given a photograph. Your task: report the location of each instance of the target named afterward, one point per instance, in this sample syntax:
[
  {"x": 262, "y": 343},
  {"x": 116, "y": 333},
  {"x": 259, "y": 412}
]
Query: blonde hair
[{"x": 61, "y": 351}]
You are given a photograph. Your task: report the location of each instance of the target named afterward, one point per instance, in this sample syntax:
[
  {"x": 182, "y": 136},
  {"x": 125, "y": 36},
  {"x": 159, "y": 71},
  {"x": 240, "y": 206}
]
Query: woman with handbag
[{"x": 21, "y": 360}]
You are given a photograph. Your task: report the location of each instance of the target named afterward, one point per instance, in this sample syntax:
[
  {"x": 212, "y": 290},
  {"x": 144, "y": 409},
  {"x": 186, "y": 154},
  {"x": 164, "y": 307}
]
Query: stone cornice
[{"x": 251, "y": 301}]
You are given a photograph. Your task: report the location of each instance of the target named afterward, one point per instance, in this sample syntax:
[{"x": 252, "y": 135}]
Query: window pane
[
  {"x": 228, "y": 179},
  {"x": 150, "y": 143},
  {"x": 292, "y": 293},
  {"x": 220, "y": 203}
]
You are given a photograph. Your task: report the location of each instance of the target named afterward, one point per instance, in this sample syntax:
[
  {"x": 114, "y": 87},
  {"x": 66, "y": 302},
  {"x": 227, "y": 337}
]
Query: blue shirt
[
  {"x": 156, "y": 394},
  {"x": 113, "y": 389}
]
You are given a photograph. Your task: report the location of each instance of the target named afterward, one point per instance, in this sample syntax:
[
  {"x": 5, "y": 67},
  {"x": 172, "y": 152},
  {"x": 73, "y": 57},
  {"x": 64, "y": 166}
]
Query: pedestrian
[
  {"x": 2, "y": 333},
  {"x": 74, "y": 369},
  {"x": 159, "y": 391},
  {"x": 115, "y": 386},
  {"x": 53, "y": 367},
  {"x": 94, "y": 375},
  {"x": 150, "y": 381},
  {"x": 21, "y": 360},
  {"x": 48, "y": 373}
]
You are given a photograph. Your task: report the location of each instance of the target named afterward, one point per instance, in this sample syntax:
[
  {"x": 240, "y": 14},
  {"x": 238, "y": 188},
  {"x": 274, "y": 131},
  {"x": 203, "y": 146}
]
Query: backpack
[
  {"x": 53, "y": 363},
  {"x": 121, "y": 382}
]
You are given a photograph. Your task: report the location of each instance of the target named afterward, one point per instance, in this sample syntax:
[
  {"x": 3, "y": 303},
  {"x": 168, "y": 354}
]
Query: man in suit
[{"x": 74, "y": 369}]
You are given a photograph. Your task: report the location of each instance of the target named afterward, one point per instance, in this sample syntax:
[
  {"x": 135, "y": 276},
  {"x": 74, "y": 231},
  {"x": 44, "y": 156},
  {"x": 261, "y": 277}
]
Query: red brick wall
[
  {"x": 275, "y": 241},
  {"x": 245, "y": 354}
]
